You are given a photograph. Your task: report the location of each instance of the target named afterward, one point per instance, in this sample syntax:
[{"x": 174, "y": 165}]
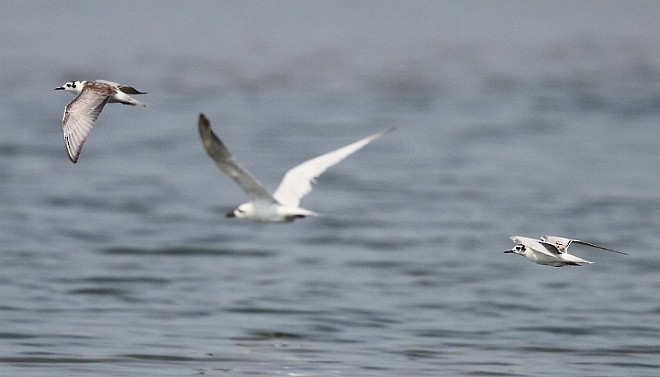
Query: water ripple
[{"x": 188, "y": 251}]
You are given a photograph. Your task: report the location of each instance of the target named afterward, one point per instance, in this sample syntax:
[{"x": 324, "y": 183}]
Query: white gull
[
  {"x": 551, "y": 250},
  {"x": 282, "y": 205}
]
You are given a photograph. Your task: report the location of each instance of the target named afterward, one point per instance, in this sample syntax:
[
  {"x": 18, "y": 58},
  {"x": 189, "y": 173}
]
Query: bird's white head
[
  {"x": 72, "y": 86},
  {"x": 245, "y": 210},
  {"x": 518, "y": 249}
]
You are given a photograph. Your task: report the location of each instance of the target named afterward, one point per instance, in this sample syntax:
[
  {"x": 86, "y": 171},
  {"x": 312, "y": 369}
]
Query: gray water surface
[{"x": 513, "y": 118}]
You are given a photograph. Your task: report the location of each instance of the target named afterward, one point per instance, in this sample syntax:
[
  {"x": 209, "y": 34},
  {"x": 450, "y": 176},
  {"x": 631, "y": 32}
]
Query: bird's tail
[{"x": 575, "y": 261}]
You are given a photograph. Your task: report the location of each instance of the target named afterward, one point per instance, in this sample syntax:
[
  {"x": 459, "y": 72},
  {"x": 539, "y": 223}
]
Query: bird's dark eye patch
[{"x": 520, "y": 247}]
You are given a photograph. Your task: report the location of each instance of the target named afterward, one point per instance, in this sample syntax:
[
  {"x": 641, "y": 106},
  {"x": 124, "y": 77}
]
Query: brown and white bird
[{"x": 81, "y": 113}]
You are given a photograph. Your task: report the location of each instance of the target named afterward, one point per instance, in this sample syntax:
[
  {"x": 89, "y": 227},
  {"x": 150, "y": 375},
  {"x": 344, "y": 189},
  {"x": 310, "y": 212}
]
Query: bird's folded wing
[
  {"x": 298, "y": 181},
  {"x": 254, "y": 190},
  {"x": 78, "y": 120}
]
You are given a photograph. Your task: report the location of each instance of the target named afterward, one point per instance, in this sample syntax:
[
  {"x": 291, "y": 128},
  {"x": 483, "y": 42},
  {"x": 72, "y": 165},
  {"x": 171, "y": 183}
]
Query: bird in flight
[
  {"x": 283, "y": 205},
  {"x": 81, "y": 113}
]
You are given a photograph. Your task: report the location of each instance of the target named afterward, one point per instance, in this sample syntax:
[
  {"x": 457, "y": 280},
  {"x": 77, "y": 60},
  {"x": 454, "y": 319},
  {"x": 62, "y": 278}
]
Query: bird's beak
[
  {"x": 230, "y": 214},
  {"x": 59, "y": 88},
  {"x": 508, "y": 251}
]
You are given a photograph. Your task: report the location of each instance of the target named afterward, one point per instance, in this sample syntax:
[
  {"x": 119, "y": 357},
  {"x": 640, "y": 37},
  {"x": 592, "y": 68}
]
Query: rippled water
[{"x": 512, "y": 117}]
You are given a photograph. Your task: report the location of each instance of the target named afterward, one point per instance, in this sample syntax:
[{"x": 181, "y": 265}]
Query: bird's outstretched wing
[
  {"x": 254, "y": 190},
  {"x": 78, "y": 120},
  {"x": 564, "y": 243},
  {"x": 298, "y": 181},
  {"x": 599, "y": 247}
]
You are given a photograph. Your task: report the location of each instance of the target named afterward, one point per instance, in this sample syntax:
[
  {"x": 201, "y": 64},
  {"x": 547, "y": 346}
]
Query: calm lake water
[{"x": 513, "y": 118}]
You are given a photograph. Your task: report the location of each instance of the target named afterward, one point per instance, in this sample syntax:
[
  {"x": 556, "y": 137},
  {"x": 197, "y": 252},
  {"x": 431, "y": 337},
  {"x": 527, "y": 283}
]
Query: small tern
[
  {"x": 551, "y": 250},
  {"x": 544, "y": 253},
  {"x": 282, "y": 205},
  {"x": 81, "y": 113}
]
